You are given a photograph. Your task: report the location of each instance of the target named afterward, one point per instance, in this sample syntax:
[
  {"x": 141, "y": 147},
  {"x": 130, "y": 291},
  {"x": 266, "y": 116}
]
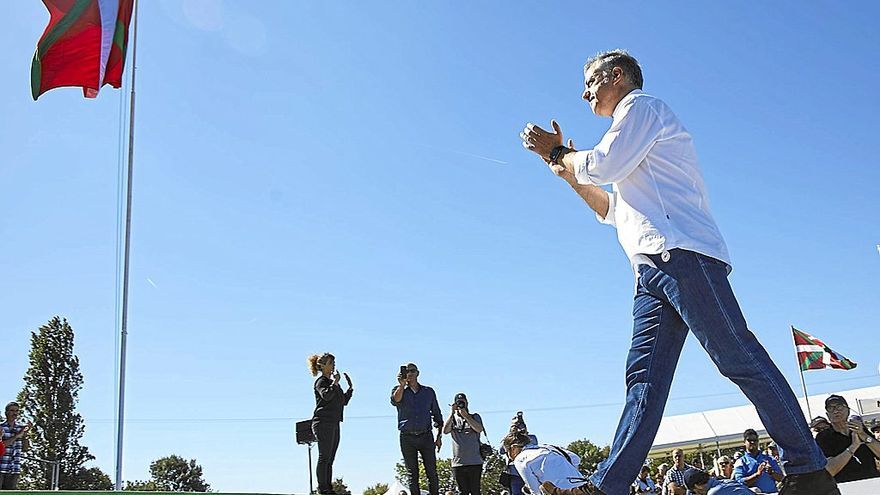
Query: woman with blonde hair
[
  {"x": 329, "y": 402},
  {"x": 723, "y": 468}
]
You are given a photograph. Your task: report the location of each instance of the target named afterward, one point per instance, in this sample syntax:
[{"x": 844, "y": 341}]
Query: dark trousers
[
  {"x": 327, "y": 433},
  {"x": 468, "y": 478},
  {"x": 413, "y": 445},
  {"x": 9, "y": 481}
]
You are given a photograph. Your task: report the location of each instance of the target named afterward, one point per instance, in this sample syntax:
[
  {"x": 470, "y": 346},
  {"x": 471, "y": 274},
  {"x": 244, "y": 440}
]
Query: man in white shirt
[
  {"x": 537, "y": 464},
  {"x": 659, "y": 205}
]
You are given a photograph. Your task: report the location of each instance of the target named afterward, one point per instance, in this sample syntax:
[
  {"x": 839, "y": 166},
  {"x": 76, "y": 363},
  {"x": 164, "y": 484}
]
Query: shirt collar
[{"x": 625, "y": 98}]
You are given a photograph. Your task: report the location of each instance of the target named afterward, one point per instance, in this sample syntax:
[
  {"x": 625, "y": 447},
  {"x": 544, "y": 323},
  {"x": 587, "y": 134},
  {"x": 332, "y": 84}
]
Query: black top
[
  {"x": 329, "y": 399},
  {"x": 416, "y": 410},
  {"x": 833, "y": 443}
]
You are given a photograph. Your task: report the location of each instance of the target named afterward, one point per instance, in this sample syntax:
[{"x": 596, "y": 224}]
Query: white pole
[
  {"x": 803, "y": 383},
  {"x": 125, "y": 262}
]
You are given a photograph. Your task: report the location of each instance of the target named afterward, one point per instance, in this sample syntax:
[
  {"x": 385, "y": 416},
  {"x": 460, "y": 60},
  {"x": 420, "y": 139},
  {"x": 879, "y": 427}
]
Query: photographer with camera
[
  {"x": 465, "y": 428},
  {"x": 416, "y": 408},
  {"x": 510, "y": 477}
]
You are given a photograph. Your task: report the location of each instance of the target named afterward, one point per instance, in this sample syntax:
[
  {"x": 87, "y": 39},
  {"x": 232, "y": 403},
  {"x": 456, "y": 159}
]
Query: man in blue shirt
[
  {"x": 700, "y": 483},
  {"x": 416, "y": 408},
  {"x": 755, "y": 468}
]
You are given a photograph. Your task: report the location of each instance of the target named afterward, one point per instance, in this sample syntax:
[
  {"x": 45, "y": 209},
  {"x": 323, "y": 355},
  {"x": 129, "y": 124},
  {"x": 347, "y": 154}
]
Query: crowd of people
[
  {"x": 850, "y": 445},
  {"x": 659, "y": 204},
  {"x": 852, "y": 448}
]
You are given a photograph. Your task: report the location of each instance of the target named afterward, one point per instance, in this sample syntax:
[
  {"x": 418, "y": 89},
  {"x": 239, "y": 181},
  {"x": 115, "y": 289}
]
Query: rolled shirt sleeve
[
  {"x": 609, "y": 216},
  {"x": 634, "y": 130}
]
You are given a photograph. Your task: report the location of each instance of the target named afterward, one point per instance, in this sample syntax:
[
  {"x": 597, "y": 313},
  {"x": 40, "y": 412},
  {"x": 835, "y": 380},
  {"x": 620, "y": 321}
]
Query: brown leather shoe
[
  {"x": 815, "y": 483},
  {"x": 548, "y": 488}
]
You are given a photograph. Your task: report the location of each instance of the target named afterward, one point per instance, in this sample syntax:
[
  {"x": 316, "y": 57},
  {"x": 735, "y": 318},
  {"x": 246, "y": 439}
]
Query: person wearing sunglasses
[
  {"x": 756, "y": 469},
  {"x": 723, "y": 468},
  {"x": 850, "y": 448},
  {"x": 417, "y": 408}
]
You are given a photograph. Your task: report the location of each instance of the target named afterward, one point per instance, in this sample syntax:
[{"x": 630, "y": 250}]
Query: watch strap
[{"x": 557, "y": 152}]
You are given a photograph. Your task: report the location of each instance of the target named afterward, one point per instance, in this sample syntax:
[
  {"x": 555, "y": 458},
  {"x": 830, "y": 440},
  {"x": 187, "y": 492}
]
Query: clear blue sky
[{"x": 309, "y": 177}]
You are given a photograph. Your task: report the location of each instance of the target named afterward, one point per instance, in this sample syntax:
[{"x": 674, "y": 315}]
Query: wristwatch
[
  {"x": 557, "y": 152},
  {"x": 870, "y": 439}
]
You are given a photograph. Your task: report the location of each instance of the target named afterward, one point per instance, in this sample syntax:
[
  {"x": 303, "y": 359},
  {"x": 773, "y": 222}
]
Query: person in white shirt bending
[
  {"x": 659, "y": 205},
  {"x": 540, "y": 463}
]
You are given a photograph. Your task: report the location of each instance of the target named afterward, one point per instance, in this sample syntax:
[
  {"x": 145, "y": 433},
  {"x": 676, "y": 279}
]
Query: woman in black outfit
[{"x": 329, "y": 401}]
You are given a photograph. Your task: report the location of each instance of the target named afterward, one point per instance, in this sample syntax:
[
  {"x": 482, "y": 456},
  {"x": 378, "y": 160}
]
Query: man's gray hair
[{"x": 605, "y": 61}]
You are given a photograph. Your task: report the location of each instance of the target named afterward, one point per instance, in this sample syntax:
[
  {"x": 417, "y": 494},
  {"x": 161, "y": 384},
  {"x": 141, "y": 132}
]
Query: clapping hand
[
  {"x": 348, "y": 380},
  {"x": 540, "y": 141},
  {"x": 857, "y": 427},
  {"x": 335, "y": 377}
]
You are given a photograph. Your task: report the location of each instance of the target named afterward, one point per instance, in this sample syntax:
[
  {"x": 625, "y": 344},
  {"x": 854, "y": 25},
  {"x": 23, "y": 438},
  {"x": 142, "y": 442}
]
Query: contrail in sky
[
  {"x": 152, "y": 283},
  {"x": 465, "y": 153}
]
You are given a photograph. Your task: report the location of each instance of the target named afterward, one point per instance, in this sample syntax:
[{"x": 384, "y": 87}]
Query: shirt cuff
[
  {"x": 609, "y": 217},
  {"x": 581, "y": 162}
]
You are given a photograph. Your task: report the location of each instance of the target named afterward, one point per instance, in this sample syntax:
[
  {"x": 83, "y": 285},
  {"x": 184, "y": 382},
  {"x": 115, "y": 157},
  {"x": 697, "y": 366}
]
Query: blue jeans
[{"x": 690, "y": 291}]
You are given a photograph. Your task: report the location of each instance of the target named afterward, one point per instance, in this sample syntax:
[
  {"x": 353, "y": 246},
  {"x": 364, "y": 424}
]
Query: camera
[
  {"x": 402, "y": 371},
  {"x": 460, "y": 404},
  {"x": 519, "y": 424}
]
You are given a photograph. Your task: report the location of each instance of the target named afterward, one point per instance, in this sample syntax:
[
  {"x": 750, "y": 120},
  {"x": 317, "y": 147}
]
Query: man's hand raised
[{"x": 540, "y": 141}]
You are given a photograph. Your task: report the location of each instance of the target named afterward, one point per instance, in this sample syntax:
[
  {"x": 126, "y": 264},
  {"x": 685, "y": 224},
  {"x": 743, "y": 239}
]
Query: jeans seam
[
  {"x": 648, "y": 369},
  {"x": 739, "y": 341}
]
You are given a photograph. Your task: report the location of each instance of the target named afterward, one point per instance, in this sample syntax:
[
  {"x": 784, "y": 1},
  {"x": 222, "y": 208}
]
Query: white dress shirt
[
  {"x": 658, "y": 200},
  {"x": 539, "y": 463}
]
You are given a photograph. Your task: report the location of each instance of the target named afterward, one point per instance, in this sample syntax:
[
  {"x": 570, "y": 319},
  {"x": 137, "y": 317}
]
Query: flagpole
[
  {"x": 125, "y": 260},
  {"x": 803, "y": 383}
]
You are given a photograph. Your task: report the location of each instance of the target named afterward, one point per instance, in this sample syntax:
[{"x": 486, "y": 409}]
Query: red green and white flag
[
  {"x": 83, "y": 45},
  {"x": 813, "y": 354}
]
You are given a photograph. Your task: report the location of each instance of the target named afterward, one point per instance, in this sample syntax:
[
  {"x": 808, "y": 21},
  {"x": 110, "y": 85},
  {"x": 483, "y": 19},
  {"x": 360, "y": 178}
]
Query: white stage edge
[{"x": 862, "y": 487}]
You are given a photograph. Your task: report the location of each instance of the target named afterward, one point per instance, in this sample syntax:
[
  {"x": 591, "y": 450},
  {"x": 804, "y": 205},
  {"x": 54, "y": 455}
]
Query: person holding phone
[
  {"x": 329, "y": 402},
  {"x": 417, "y": 409}
]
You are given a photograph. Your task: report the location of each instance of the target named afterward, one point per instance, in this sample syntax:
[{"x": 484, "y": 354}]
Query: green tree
[
  {"x": 141, "y": 486},
  {"x": 92, "y": 479},
  {"x": 493, "y": 466},
  {"x": 377, "y": 489},
  {"x": 176, "y": 474},
  {"x": 339, "y": 487},
  {"x": 444, "y": 475},
  {"x": 591, "y": 454},
  {"x": 49, "y": 397}
]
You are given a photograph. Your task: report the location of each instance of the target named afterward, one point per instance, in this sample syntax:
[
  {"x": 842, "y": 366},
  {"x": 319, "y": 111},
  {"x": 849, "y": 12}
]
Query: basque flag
[
  {"x": 813, "y": 354},
  {"x": 83, "y": 46}
]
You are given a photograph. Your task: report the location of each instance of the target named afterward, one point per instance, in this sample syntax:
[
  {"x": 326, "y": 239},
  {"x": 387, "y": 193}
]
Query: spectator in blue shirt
[
  {"x": 756, "y": 469},
  {"x": 416, "y": 408}
]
